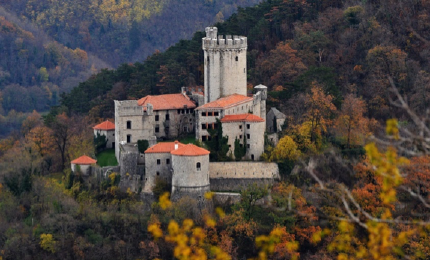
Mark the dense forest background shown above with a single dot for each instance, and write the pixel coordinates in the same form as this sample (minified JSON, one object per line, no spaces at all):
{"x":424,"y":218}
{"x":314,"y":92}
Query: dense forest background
{"x":49,"y":47}
{"x":337,"y":68}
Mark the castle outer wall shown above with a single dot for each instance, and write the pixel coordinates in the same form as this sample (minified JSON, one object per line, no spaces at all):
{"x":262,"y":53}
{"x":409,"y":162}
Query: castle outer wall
{"x":236,"y":176}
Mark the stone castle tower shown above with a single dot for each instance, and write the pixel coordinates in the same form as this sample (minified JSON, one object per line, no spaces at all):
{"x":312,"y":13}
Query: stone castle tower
{"x":225,"y":64}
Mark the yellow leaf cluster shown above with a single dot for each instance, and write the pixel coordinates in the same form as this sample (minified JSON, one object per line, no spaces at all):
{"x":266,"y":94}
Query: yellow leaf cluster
{"x":47,"y":243}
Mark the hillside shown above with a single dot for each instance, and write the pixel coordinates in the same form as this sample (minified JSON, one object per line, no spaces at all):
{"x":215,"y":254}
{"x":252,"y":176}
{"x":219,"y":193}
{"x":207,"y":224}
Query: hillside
{"x":126,"y":30}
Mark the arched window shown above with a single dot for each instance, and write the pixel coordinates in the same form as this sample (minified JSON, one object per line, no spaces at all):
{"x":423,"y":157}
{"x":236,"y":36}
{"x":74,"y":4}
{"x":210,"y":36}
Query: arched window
{"x":198,"y":166}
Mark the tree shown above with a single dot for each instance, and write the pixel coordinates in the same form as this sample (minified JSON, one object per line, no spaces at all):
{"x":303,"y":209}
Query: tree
{"x":285,"y":150}
{"x":142,"y":145}
{"x":62,"y":132}
{"x":239,"y":149}
{"x":218,"y":144}
{"x":249,"y":197}
{"x":319,"y":108}
{"x":351,"y":123}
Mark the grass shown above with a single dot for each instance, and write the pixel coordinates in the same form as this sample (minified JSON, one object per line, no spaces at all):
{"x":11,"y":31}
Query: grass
{"x":107,"y":158}
{"x":189,"y":139}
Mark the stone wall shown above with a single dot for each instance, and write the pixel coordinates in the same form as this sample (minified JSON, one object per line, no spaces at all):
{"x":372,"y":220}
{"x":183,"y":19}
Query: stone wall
{"x":234,"y":176}
{"x":239,"y":130}
{"x":154,"y":170}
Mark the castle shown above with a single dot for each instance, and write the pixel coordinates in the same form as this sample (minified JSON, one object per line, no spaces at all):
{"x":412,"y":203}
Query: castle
{"x":166,"y":117}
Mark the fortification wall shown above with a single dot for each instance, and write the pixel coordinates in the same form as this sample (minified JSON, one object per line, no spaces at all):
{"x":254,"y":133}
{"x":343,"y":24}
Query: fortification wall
{"x":243,"y":170}
{"x":235,"y":176}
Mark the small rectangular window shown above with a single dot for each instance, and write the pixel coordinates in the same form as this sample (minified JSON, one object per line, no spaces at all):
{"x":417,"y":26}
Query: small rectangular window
{"x":210,"y":126}
{"x":240,"y":136}
{"x":248,"y":126}
{"x":248,"y":136}
{"x":203,"y":126}
{"x":167,"y":161}
{"x":158,"y":161}
{"x":216,"y":113}
{"x":128,"y":138}
{"x":128,"y":124}
{"x":157,"y":117}
{"x":157,"y":129}
{"x":204,"y":138}
{"x":167,"y":117}
{"x":240,"y":126}
{"x":247,"y":146}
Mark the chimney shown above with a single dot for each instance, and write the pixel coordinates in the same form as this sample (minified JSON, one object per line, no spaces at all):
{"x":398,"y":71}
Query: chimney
{"x":176,"y":145}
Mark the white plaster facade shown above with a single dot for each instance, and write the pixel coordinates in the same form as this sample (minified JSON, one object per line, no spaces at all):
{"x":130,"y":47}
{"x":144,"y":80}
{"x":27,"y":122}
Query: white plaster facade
{"x":110,"y":137}
{"x":253,"y":132}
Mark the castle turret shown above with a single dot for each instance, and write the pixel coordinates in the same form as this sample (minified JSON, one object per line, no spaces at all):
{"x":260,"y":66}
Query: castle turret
{"x":225,"y":64}
{"x":263,"y":94}
{"x":190,"y":178}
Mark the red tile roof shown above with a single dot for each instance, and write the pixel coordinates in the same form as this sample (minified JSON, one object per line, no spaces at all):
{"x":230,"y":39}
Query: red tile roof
{"x":190,"y":150}
{"x":165,"y":147}
{"x":167,"y":101}
{"x":241,"y":118}
{"x":106,"y":125}
{"x":84,"y":160}
{"x":226,"y":101}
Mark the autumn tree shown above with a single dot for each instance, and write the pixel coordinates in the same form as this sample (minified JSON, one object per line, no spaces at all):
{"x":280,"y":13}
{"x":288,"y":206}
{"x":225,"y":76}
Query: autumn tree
{"x":281,"y":66}
{"x":62,"y":132}
{"x":319,"y":112}
{"x":351,"y":125}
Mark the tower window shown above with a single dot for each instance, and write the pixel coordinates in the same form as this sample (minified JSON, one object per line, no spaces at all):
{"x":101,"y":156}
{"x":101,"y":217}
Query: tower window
{"x":157,"y":128}
{"x":248,"y":126}
{"x":198,"y":166}
{"x":248,"y":136}
{"x":128,"y":124}
{"x":237,"y":58}
{"x":167,"y":161}
{"x":158,"y":161}
{"x":167,"y":117}
{"x":157,"y":117}
{"x":128,"y":138}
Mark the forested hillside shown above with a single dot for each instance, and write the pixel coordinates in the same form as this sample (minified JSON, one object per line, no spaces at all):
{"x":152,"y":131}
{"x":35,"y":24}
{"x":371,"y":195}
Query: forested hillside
{"x":126,"y":30}
{"x":340,"y":70}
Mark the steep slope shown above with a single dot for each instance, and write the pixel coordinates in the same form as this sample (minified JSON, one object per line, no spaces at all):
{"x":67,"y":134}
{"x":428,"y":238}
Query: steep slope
{"x":34,"y":69}
{"x":126,"y":30}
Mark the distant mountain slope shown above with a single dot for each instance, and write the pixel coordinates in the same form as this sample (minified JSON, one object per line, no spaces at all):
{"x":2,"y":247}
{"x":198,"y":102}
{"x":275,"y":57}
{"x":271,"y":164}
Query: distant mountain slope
{"x":126,"y":30}
{"x":34,"y":69}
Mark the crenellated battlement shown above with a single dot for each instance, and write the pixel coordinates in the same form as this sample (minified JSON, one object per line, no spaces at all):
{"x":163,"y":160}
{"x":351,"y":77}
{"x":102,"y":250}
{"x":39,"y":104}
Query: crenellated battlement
{"x":215,"y":41}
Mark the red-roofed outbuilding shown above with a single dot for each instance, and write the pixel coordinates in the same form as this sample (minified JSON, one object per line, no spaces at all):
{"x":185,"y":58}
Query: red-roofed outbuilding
{"x":107,"y":129}
{"x":84,"y":163}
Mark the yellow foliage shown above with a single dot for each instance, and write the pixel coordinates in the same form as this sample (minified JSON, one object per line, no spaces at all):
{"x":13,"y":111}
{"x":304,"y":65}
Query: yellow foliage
{"x":47,"y":243}
{"x":165,"y":201}
{"x":286,"y":149}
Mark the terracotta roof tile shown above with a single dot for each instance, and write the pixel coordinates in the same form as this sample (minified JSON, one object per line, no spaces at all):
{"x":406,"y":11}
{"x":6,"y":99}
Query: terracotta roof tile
{"x":106,"y":125}
{"x":84,"y":160}
{"x":190,"y":150}
{"x":167,"y":101}
{"x":241,"y":118}
{"x":226,"y":101}
{"x":165,"y":147}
